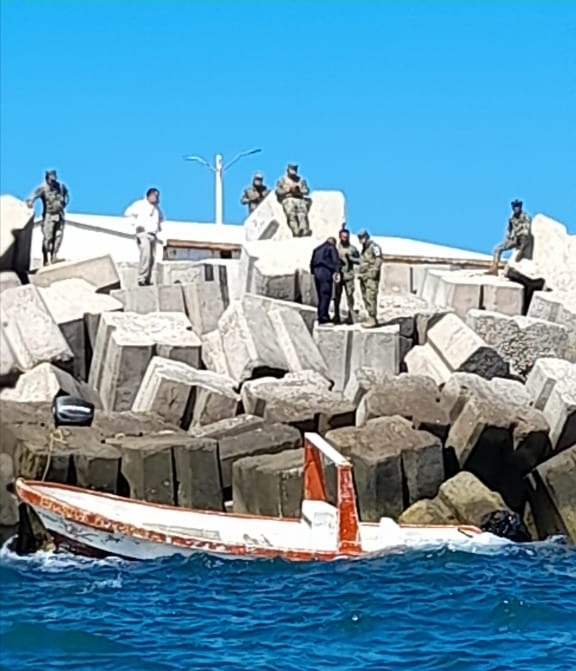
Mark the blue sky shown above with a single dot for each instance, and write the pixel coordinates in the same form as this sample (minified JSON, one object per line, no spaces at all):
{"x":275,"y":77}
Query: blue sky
{"x":430,"y":116}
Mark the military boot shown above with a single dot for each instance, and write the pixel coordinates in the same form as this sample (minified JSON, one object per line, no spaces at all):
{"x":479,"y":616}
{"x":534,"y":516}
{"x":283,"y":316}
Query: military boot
{"x":370,"y":323}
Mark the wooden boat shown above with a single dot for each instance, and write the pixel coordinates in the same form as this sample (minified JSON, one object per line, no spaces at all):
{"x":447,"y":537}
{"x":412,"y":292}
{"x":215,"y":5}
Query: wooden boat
{"x":97,"y":524}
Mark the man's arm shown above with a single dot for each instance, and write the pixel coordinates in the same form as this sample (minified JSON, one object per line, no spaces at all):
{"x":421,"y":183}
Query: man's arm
{"x":335,"y":260}
{"x":65,"y":196}
{"x":245,"y":200}
{"x":282,"y":188}
{"x":304,"y":190}
{"x":37,"y":193}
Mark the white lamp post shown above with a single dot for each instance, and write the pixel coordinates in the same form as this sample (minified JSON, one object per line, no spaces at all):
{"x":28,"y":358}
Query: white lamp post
{"x":219,"y":169}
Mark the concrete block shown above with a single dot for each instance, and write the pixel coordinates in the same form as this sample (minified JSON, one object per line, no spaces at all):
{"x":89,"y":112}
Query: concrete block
{"x":16,"y":225}
{"x":128,"y":273}
{"x":101,"y":272}
{"x":184,"y":395}
{"x":301,"y":399}
{"x":395,"y":278}
{"x":197,"y":471}
{"x":361,"y":381}
{"x":144,"y":300}
{"x":552,"y":386}
{"x":519,"y":340}
{"x":125,"y":344}
{"x":558,"y":307}
{"x":9,"y":366}
{"x":8,"y":502}
{"x":9,"y":280}
{"x":346,"y":348}
{"x":503,"y":296}
{"x":420,"y":272}
{"x":213,"y":355}
{"x":307,"y":312}
{"x":33,"y":334}
{"x":394,"y":465}
{"x":269,"y":484}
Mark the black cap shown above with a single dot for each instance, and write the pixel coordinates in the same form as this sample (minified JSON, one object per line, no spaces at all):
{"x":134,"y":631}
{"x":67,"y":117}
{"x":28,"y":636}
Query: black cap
{"x":517,"y":203}
{"x":51,"y":173}
{"x":293,"y":166}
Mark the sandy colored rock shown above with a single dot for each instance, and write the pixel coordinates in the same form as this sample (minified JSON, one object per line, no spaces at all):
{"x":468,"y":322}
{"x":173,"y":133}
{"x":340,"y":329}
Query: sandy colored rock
{"x":428,"y":511}
{"x":469,"y":499}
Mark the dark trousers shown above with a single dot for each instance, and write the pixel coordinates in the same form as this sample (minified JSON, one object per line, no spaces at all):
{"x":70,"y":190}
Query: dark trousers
{"x":324,"y":281}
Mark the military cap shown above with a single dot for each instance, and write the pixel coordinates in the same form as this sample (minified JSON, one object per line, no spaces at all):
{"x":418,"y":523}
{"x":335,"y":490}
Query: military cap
{"x":258,"y":175}
{"x":363,"y":233}
{"x":51,"y":173}
{"x":293,"y":166}
{"x":516,"y":203}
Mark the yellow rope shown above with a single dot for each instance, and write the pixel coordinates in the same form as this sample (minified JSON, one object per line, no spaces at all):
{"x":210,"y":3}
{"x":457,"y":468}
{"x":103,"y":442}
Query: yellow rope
{"x":56,"y":436}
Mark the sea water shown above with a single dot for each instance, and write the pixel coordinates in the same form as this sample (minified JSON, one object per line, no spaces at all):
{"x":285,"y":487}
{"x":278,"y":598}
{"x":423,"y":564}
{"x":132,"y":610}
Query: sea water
{"x":504,"y":608}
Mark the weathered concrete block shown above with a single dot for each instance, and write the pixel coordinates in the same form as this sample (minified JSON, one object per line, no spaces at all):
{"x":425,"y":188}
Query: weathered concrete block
{"x":420,"y":273}
{"x":184,"y":395}
{"x":9,"y":366}
{"x":307,"y":312}
{"x":361,"y":381}
{"x":246,"y":436}
{"x":33,"y":334}
{"x":301,"y":399}
{"x":395,"y":278}
{"x":213,"y":355}
{"x":552,"y":386}
{"x":44,"y":382}
{"x":558,"y":307}
{"x":9,"y":280}
{"x":8,"y":502}
{"x":197,"y":471}
{"x":394,"y":465}
{"x":453,"y":346}
{"x":101,"y":272}
{"x":553,"y":495}
{"x":16,"y":225}
{"x":502,"y":296}
{"x":269,"y":484}
{"x":128,"y":273}
{"x":76,"y":308}
{"x":519,"y":340}
{"x":144,"y":300}
{"x":125,"y":344}
{"x":347,"y":348}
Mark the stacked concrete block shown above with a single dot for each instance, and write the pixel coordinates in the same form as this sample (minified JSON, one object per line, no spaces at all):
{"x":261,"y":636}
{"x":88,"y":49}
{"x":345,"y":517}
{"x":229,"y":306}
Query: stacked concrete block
{"x":453,"y":346}
{"x":395,"y":278}
{"x":154,"y":298}
{"x":558,"y":307}
{"x":16,"y":225}
{"x":100,"y":272}
{"x":519,"y":340}
{"x":9,"y":280}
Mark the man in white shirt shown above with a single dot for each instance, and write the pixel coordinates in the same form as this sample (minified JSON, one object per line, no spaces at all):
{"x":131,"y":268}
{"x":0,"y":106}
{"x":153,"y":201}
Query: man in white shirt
{"x":147,"y":221}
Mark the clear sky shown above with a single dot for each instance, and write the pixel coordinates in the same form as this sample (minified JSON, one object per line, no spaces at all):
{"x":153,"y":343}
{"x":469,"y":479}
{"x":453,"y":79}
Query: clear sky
{"x":430,"y":116}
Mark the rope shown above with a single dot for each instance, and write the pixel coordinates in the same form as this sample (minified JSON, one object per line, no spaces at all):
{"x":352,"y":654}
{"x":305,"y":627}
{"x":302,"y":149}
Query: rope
{"x":56,"y":436}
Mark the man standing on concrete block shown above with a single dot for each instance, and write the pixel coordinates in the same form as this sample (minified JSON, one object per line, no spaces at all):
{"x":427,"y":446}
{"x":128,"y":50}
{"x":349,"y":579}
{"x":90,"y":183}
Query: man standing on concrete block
{"x":349,"y":258}
{"x":292,"y":192}
{"x":518,"y":236}
{"x":369,"y":276}
{"x":255,"y":193}
{"x":55,"y":198}
{"x":147,"y":220}
{"x":325,"y":267}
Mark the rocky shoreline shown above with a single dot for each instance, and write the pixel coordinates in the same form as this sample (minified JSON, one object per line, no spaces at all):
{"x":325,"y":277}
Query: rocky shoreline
{"x":460,"y":403}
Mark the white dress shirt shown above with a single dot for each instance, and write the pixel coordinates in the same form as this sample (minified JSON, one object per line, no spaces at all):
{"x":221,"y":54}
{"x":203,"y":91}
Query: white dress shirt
{"x":145,"y":215}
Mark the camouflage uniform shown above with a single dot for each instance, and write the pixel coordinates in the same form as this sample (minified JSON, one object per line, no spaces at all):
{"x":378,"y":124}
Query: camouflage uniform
{"x":369,"y":275}
{"x":295,"y":203}
{"x":254,"y":194}
{"x":518,"y":236}
{"x":55,"y":198}
{"x":349,"y":257}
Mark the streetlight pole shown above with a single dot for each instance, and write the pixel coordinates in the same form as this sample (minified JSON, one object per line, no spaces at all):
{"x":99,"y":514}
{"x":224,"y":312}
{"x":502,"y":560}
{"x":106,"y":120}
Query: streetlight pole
{"x":219,"y":169}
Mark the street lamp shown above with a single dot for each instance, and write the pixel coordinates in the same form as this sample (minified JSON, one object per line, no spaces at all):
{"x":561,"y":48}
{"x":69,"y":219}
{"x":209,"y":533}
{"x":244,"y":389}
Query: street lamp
{"x":219,"y":169}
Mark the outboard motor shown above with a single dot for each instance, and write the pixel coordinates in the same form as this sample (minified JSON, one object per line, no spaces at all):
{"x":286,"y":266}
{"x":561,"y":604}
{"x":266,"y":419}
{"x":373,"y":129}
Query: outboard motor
{"x":506,"y":525}
{"x":72,"y":411}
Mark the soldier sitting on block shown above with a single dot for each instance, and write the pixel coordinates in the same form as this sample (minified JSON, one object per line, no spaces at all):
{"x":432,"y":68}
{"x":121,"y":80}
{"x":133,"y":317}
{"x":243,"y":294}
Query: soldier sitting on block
{"x":518,"y":236}
{"x":292,"y":192}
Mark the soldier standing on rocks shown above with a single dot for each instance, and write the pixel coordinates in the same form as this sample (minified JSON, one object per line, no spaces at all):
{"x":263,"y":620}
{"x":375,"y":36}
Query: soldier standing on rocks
{"x":369,"y":276}
{"x":255,"y":193}
{"x":292,"y":192}
{"x":55,"y":198}
{"x":349,"y":258}
{"x":325,"y":267}
{"x":518,"y":236}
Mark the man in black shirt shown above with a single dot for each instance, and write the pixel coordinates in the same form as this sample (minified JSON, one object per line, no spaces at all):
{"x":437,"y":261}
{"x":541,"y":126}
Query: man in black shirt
{"x":325,"y":266}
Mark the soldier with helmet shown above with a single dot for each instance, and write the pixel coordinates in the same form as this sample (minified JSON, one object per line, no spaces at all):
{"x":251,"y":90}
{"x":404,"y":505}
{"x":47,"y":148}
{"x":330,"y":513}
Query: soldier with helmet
{"x":292,"y":192}
{"x":369,"y":270}
{"x":54,"y":196}
{"x":254,"y":194}
{"x":518,"y":236}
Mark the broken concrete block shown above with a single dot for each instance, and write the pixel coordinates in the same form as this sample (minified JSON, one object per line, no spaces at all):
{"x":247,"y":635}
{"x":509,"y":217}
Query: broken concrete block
{"x":33,"y":334}
{"x":144,"y":300}
{"x":269,"y":484}
{"x":76,"y":308}
{"x":44,"y":382}
{"x":394,"y":465}
{"x":303,"y":400}
{"x":184,"y":395}
{"x":208,"y":296}
{"x":245,"y":436}
{"x":16,"y":225}
{"x":552,"y":386}
{"x":553,"y":258}
{"x":9,"y":280}
{"x":553,"y":495}
{"x":361,"y":381}
{"x":101,"y":272}
{"x":453,"y":346}
{"x":558,"y":307}
{"x":125,"y":344}
{"x":519,"y":340}
{"x":347,"y":348}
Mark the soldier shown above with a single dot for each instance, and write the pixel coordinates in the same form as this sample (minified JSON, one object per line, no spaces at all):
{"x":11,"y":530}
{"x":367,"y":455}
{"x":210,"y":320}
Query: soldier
{"x":292,"y":192}
{"x":369,"y":276}
{"x":255,"y":193}
{"x":518,"y":236}
{"x":350,"y":258}
{"x":55,"y":198}
{"x":325,"y":267}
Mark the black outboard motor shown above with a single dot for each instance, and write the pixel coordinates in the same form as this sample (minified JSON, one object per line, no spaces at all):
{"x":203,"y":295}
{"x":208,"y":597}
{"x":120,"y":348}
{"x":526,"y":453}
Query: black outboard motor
{"x":72,"y":411}
{"x":506,"y":525}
